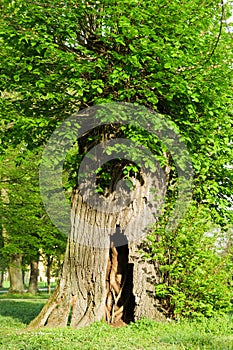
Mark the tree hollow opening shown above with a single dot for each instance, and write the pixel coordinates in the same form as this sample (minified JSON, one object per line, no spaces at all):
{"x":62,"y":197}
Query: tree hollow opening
{"x":120,"y":301}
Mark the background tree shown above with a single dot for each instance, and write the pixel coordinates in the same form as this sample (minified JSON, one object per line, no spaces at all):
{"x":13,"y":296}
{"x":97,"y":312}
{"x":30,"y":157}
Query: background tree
{"x":27,"y":228}
{"x":58,"y":58}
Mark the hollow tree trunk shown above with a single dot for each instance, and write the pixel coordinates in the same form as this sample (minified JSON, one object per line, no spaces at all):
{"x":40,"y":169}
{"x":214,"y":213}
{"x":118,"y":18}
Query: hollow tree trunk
{"x":102,"y":279}
{"x":34,"y":273}
{"x":16,"y":274}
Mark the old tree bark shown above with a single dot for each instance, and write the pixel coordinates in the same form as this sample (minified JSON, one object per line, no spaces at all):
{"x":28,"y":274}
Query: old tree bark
{"x":103,"y":275}
{"x":34,"y":273}
{"x":16,"y":274}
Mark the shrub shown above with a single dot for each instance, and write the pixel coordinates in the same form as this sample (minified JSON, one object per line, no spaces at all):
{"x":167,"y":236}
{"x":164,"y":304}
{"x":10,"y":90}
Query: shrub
{"x":195,"y":276}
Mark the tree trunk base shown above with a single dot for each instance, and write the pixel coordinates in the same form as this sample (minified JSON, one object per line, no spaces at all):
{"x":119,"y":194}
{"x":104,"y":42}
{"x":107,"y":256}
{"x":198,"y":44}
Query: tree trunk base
{"x":119,"y":324}
{"x":104,"y":276}
{"x":124,"y":291}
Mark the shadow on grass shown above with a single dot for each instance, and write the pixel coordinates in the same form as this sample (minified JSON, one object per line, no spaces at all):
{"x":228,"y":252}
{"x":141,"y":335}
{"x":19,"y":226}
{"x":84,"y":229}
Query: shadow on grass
{"x":23,"y":311}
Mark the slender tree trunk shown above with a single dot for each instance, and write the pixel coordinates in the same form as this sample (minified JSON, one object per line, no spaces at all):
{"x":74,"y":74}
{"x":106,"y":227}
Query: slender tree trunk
{"x":102,"y":279}
{"x":23,"y":277}
{"x":34,"y":273}
{"x":48,"y":273}
{"x":3,"y":235}
{"x":1,"y":278}
{"x":16,"y":275}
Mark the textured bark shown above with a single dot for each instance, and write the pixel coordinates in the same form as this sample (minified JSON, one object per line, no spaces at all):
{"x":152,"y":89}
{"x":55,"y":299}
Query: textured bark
{"x":16,"y":275}
{"x":33,"y":281}
{"x":145,"y":276}
{"x":101,"y":280}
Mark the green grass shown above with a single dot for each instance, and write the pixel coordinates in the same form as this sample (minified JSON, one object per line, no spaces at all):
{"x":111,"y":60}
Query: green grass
{"x":6,"y":285}
{"x":212,"y":334}
{"x":40,"y":295}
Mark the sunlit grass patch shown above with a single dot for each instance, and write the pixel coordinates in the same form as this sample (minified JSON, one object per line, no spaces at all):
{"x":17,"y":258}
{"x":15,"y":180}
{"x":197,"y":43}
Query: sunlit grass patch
{"x":211,"y":334}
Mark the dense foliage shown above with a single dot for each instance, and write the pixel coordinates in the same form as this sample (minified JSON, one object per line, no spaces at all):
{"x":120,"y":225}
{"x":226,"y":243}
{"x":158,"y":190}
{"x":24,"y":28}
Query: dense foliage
{"x":26,"y":229}
{"x":195,"y":265}
{"x":174,"y":57}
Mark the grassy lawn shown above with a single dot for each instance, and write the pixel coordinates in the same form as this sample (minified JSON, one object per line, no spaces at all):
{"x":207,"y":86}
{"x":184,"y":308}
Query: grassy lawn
{"x":6,"y":285}
{"x":16,"y":314}
{"x":40,"y":295}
